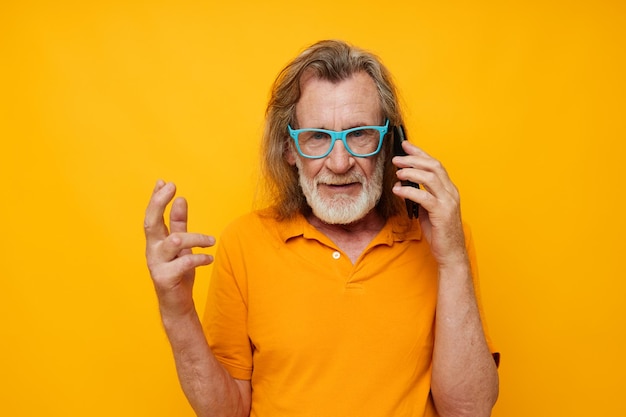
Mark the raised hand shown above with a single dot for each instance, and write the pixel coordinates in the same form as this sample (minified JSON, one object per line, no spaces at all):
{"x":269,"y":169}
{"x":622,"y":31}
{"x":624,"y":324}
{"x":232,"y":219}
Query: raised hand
{"x":169,"y":253}
{"x":439,"y":200}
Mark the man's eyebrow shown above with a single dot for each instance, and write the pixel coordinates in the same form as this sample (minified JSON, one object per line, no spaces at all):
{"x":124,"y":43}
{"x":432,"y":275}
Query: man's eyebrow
{"x":355,"y":125}
{"x":365,"y":124}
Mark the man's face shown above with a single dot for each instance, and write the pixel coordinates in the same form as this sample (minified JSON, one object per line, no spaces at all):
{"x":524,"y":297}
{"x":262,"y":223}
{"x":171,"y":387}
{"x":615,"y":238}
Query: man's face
{"x":339,"y":188}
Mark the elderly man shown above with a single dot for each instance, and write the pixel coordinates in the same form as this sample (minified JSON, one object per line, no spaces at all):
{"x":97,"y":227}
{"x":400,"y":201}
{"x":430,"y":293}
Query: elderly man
{"x":332,"y":301}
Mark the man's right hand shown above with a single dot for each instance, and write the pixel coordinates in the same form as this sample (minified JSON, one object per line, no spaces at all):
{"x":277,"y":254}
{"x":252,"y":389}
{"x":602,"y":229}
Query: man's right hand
{"x":169,"y":252}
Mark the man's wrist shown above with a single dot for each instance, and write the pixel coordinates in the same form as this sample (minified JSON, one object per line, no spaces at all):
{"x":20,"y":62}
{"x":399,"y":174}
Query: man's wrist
{"x":175,"y":314}
{"x":455,"y":264}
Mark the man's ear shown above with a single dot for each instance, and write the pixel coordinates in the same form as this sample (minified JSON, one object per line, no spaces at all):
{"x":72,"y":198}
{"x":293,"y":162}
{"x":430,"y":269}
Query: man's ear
{"x":290,"y":153}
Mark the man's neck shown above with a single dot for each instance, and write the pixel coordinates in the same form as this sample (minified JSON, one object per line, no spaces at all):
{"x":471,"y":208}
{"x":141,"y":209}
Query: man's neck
{"x":351,"y":238}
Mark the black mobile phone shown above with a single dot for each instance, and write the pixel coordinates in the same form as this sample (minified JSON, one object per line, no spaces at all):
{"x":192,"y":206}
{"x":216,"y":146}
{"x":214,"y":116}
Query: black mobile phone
{"x":399,"y":136}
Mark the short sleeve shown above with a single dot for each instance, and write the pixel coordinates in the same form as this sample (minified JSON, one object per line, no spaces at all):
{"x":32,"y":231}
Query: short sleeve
{"x":225,"y":317}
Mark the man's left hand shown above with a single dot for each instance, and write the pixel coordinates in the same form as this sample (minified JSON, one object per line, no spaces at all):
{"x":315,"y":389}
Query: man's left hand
{"x":439,"y":200}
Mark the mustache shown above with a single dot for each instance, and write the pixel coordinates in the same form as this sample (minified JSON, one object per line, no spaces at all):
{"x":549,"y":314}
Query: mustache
{"x":331,"y":179}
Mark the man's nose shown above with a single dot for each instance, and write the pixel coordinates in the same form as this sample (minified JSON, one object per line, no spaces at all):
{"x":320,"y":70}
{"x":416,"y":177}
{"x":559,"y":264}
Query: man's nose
{"x":339,"y":159}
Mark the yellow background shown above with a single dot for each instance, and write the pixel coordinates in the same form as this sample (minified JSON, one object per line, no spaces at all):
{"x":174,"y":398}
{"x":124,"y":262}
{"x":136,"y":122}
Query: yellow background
{"x":524,"y":102}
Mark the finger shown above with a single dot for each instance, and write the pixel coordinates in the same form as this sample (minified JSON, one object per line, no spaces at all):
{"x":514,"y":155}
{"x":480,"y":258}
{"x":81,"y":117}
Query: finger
{"x":178,"y":215}
{"x":178,"y":220}
{"x":418,"y":158}
{"x":428,"y":180}
{"x":431,"y":197}
{"x":180,"y":266}
{"x":421,"y":196}
{"x":412,"y":149}
{"x":178,"y":245}
{"x":154,"y":225}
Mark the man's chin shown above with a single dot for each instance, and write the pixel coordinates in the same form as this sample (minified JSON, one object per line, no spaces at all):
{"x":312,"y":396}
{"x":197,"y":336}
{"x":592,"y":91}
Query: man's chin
{"x":341,"y":212}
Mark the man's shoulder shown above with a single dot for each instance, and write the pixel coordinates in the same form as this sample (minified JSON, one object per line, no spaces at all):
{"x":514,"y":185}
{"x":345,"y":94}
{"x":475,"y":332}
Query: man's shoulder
{"x":246,"y":222}
{"x":260,"y":224}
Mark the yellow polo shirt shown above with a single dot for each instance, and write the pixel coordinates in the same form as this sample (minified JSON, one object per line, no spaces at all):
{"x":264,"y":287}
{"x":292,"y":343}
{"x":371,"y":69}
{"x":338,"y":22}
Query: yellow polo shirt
{"x":316,"y":334}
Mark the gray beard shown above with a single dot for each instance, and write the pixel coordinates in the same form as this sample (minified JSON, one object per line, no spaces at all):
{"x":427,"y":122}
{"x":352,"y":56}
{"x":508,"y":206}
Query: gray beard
{"x":342,"y":208}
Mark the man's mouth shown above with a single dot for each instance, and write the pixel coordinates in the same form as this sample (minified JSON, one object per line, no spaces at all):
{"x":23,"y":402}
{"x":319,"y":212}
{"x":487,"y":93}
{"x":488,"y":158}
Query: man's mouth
{"x":345,"y":184}
{"x":341,"y":187}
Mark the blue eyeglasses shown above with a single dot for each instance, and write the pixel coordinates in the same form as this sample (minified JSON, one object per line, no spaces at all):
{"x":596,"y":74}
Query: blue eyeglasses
{"x":360,"y":142}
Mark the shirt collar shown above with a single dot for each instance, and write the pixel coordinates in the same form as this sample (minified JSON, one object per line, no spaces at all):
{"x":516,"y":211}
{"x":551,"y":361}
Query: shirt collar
{"x":397,"y":228}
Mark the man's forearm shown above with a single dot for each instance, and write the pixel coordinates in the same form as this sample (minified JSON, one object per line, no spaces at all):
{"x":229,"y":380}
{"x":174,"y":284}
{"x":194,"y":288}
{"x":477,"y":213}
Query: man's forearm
{"x":210,"y":389}
{"x":465,"y":379}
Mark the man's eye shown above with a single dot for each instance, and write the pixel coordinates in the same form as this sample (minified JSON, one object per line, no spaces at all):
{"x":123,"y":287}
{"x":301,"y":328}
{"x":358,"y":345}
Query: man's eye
{"x":314,"y":136}
{"x":363,"y":134}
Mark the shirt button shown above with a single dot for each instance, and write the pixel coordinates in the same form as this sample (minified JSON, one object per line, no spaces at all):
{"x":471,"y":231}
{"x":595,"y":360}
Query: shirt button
{"x":336,"y":255}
